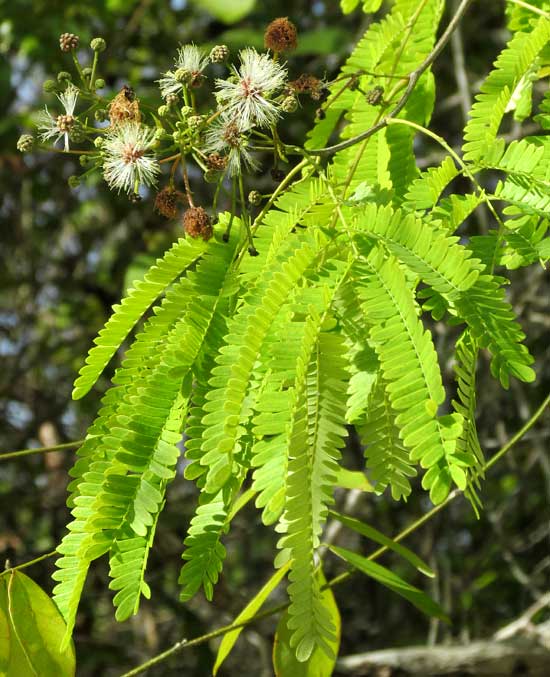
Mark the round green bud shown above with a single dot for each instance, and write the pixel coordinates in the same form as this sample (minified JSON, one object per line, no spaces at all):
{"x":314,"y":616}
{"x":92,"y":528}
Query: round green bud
{"x":171,"y":99}
{"x":254,"y":197}
{"x":219,"y":53}
{"x":64,"y":76}
{"x":182,"y":75}
{"x":194,"y":122}
{"x":98,"y":44}
{"x":186,"y":111}
{"x":84,"y":160}
{"x":49,"y":86}
{"x":86,"y":72}
{"x":98,"y":141}
{"x":101,"y":114}
{"x":99,"y":83}
{"x":163,"y":111}
{"x":77,"y":134}
{"x":73,"y":181}
{"x":25,"y":143}
{"x":290,"y":104}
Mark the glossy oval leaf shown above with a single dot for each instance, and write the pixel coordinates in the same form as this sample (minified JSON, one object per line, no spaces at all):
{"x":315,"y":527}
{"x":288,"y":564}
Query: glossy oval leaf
{"x":31,"y":629}
{"x":319,"y":664}
{"x":392,"y":581}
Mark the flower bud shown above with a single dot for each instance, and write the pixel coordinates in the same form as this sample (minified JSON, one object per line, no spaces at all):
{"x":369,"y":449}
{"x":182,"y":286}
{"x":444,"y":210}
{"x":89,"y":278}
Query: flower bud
{"x":86,"y":72}
{"x":101,"y":114}
{"x":49,"y":86}
{"x":25,"y":143}
{"x":255,"y":197}
{"x":171,"y":99}
{"x":99,"y":83}
{"x":98,"y":141}
{"x":289,"y":104}
{"x":219,"y":53}
{"x":162,"y":111}
{"x":98,"y":44}
{"x":64,"y":76}
{"x":68,"y":41}
{"x":84,"y":160}
{"x":73,"y":181}
{"x":182,"y":75}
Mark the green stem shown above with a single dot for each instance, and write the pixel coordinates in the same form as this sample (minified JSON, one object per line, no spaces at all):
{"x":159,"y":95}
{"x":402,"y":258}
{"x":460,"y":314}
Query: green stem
{"x":47,"y":555}
{"x":94,"y":67}
{"x":40,"y":450}
{"x":531,"y":8}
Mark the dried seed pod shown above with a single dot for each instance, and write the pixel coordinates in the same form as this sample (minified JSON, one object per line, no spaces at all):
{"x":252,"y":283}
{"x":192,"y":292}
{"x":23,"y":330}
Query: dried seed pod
{"x":216,"y":162}
{"x":124,"y":107}
{"x":374,"y":96}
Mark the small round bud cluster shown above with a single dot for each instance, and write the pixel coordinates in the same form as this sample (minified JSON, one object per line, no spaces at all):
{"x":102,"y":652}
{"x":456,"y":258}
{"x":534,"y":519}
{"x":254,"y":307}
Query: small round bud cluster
{"x":98,"y":44}
{"x":255,"y":197}
{"x":167,"y":201}
{"x":25,"y":143}
{"x":65,"y":123}
{"x":171,"y":99}
{"x":196,"y":223}
{"x":195,"y":122}
{"x":99,"y":83}
{"x":73,"y":181}
{"x":289,"y":104}
{"x":182,"y":75}
{"x":216,"y":162}
{"x":101,"y":114}
{"x":64,"y":76}
{"x":162,"y":111}
{"x":281,"y":35}
{"x":68,"y":41}
{"x":186,"y":111}
{"x":84,"y":160}
{"x":374,"y":96}
{"x":99,"y":141}
{"x":49,"y":86}
{"x":86,"y":72}
{"x":219,"y":53}
{"x":76,"y":133}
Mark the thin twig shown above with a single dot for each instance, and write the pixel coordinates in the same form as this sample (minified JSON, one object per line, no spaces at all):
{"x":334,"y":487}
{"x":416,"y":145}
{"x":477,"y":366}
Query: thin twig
{"x":531,"y":8}
{"x":40,"y":450}
{"x":9,"y":569}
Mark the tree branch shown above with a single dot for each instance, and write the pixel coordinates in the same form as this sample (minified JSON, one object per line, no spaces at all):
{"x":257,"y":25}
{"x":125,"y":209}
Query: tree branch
{"x":40,"y":450}
{"x":413,"y":79}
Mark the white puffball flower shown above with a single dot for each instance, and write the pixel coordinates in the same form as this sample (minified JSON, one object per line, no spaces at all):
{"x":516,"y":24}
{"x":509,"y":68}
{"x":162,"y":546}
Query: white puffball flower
{"x":129,"y":161}
{"x":59,"y":126}
{"x":245,"y":96}
{"x":191,"y":62}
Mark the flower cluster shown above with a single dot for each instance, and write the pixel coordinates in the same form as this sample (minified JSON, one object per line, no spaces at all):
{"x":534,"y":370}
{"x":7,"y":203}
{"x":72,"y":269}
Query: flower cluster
{"x":223,"y":137}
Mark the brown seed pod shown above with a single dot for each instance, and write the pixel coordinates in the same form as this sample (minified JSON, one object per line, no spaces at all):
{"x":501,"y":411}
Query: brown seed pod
{"x":281,"y":35}
{"x":167,"y":201}
{"x":124,"y":107}
{"x":196,"y":223}
{"x":216,"y":162}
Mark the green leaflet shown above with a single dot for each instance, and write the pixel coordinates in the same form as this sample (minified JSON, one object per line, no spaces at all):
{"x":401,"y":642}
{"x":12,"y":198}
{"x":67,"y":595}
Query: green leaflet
{"x":497,"y":91}
{"x":317,"y":435}
{"x":132,"y":307}
{"x":387,"y":578}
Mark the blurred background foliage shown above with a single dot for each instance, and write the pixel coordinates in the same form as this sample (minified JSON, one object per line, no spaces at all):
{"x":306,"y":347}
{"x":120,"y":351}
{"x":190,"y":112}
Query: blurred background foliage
{"x":67,"y":255}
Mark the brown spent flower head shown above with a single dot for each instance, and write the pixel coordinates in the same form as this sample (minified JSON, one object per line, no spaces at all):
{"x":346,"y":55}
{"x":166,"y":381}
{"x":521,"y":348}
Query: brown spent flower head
{"x":281,"y":35}
{"x":68,"y":41}
{"x":124,"y":107}
{"x":216,"y":162}
{"x":375,"y":95}
{"x":167,"y":201}
{"x":307,"y":84}
{"x":196,"y":223}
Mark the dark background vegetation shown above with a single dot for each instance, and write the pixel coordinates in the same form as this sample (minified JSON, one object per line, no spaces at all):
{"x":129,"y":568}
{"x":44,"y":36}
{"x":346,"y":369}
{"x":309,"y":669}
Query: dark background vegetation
{"x":66,"y":257}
